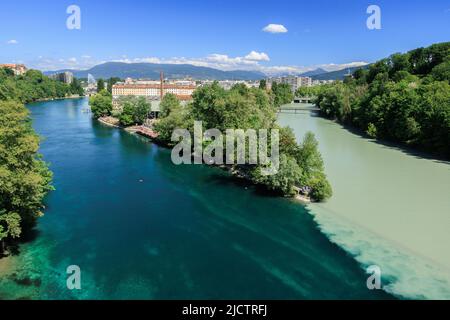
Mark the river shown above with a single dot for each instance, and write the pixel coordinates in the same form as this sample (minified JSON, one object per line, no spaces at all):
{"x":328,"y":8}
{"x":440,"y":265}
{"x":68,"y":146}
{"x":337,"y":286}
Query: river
{"x":390,"y":207}
{"x":140,"y":227}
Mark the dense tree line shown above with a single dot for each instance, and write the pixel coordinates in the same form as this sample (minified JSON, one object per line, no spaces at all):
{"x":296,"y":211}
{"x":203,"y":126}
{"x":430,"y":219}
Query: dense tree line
{"x":101,"y":104}
{"x":24,"y":177}
{"x":133,"y":110}
{"x":33,"y":85}
{"x":301,"y":165}
{"x":404,"y":98}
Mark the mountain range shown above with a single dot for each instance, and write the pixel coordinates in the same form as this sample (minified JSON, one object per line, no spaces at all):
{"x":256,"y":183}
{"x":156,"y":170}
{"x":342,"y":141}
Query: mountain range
{"x":335,"y":75}
{"x":171,"y":71}
{"x":177,"y":71}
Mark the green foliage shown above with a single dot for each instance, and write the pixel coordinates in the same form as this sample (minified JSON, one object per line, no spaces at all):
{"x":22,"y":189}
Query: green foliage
{"x":168,"y":104}
{"x":101,"y":85}
{"x":178,"y":119}
{"x":246,"y":108}
{"x":263,"y":84}
{"x":9,"y":225}
{"x":282,"y":94}
{"x":112,"y":81}
{"x":308,"y":91}
{"x":371,"y":130}
{"x":24,"y":177}
{"x":76,"y":88}
{"x":441,"y":72}
{"x":404,"y":99}
{"x":101,"y":104}
{"x":135,"y":110}
{"x":126,"y":117}
{"x":32,"y":86}
{"x":321,"y":188}
{"x":288,"y":176}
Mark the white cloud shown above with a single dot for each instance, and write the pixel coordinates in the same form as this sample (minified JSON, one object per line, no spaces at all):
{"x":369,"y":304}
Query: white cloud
{"x":277,"y":70}
{"x":257,"y":56}
{"x":336,"y":67}
{"x":12,"y":42}
{"x":275,"y":28}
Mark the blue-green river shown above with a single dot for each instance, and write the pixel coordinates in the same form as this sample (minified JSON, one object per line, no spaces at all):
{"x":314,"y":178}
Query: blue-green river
{"x":140,"y":227}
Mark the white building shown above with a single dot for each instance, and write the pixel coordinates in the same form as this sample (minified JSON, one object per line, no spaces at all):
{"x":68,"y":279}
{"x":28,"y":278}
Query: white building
{"x":152,"y":90}
{"x":293,"y":81}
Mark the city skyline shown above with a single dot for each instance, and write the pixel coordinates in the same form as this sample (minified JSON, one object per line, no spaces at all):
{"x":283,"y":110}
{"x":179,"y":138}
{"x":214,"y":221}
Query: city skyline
{"x":261,"y":36}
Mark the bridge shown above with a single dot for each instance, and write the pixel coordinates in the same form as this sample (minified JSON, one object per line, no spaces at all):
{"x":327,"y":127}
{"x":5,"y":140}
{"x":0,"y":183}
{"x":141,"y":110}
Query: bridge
{"x":299,"y":108}
{"x":304,"y":99}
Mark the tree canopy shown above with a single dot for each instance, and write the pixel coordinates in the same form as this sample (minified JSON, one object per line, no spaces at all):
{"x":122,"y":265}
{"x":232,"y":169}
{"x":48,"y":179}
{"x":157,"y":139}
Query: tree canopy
{"x":101,"y":104}
{"x":24,"y":177}
{"x":33,"y":85}
{"x":404,"y":98}
{"x":249,"y":108}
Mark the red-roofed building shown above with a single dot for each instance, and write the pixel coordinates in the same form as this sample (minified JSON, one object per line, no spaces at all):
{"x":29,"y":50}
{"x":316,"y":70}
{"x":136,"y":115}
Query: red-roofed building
{"x":18,"y":69}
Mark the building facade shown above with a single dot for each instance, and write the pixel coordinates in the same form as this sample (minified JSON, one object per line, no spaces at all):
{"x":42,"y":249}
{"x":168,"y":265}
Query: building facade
{"x":66,"y":77}
{"x":152,"y":91}
{"x":293,"y":81}
{"x":18,"y":69}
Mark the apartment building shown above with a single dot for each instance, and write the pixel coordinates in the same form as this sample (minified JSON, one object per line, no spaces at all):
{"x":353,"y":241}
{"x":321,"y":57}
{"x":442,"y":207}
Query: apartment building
{"x":66,"y":77}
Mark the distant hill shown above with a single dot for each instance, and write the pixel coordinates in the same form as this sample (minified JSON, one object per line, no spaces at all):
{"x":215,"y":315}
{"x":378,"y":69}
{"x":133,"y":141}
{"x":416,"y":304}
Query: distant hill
{"x":171,"y":71}
{"x":337,"y":75}
{"x":315,"y":72}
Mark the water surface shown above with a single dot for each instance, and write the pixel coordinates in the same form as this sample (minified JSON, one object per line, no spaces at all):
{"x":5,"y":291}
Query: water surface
{"x":140,"y":227}
{"x":390,"y":207}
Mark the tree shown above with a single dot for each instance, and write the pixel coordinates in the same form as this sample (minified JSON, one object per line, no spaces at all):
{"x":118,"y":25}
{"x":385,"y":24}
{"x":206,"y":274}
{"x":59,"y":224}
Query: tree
{"x":284,"y":181}
{"x":76,"y":88}
{"x":240,"y":108}
{"x":442,"y":71}
{"x":177,"y":119}
{"x":309,"y":157}
{"x":288,"y":143}
{"x":135,"y":110}
{"x":169,"y":103}
{"x":100,"y":85}
{"x":141,"y":110}
{"x":24,"y":177}
{"x":282,"y":94}
{"x":101,"y":104}
{"x":112,"y":81}
{"x":320,"y":187}
{"x":31,"y":86}
{"x":9,"y":227}
{"x":263,"y":84}
{"x":126,"y":117}
{"x":403,"y":99}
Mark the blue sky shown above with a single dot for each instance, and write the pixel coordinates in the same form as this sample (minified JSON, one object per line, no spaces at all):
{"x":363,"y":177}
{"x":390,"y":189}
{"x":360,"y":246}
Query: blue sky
{"x":217,"y":33}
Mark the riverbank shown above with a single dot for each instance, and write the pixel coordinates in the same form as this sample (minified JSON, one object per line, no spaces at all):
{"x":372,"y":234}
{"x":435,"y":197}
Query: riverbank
{"x":110,"y":121}
{"x":147,"y":132}
{"x":56,"y":99}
